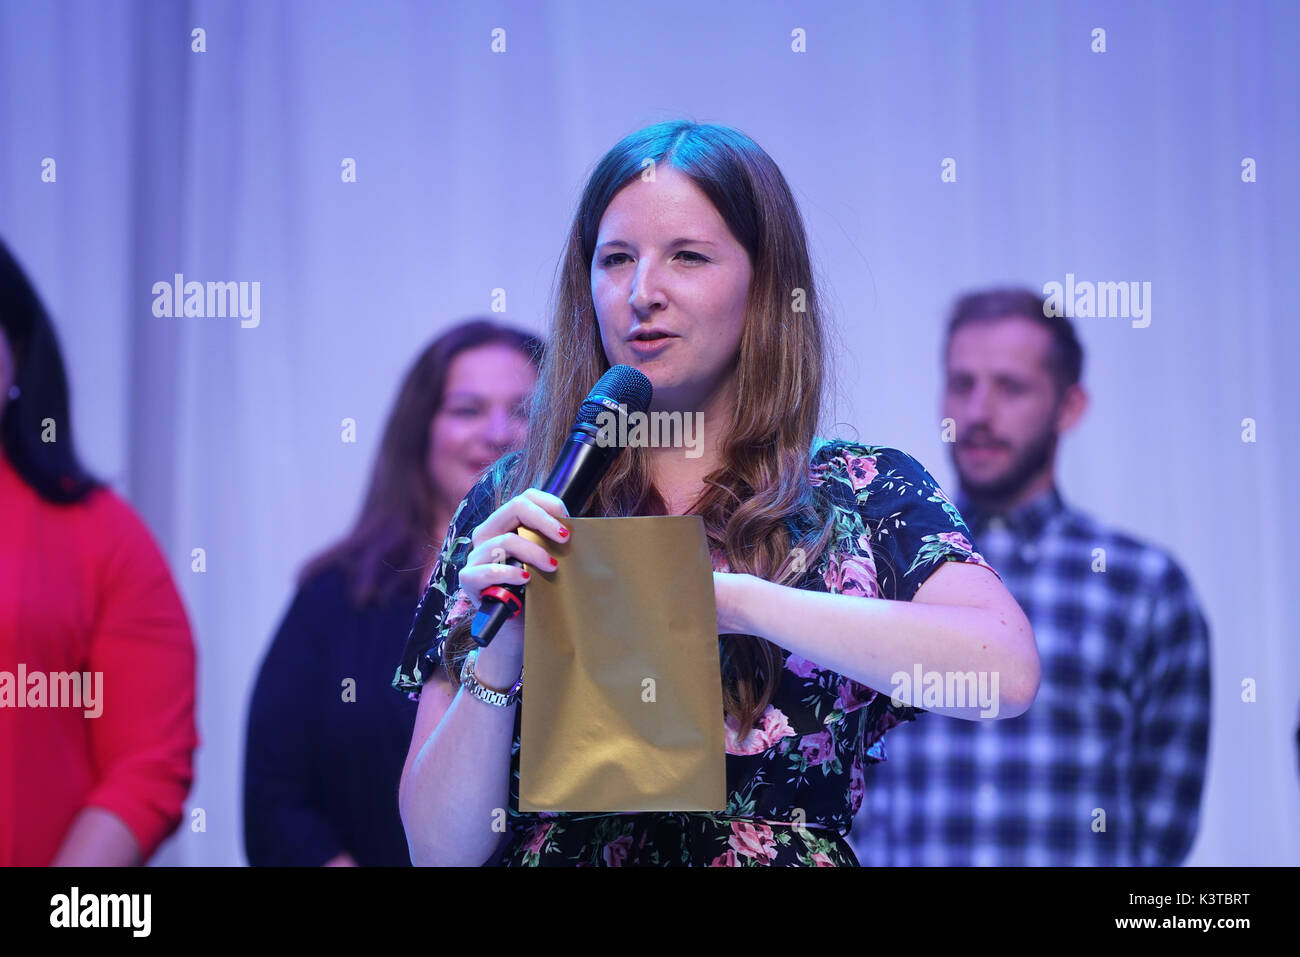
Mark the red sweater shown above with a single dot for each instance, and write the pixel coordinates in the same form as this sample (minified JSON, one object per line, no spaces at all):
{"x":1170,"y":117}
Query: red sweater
{"x":84,"y":588}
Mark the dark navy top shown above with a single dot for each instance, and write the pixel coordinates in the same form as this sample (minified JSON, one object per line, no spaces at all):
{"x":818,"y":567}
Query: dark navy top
{"x":327,"y":737}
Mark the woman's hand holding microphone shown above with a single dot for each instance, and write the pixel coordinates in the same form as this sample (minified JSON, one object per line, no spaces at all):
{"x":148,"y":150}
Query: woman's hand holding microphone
{"x":492,"y":543}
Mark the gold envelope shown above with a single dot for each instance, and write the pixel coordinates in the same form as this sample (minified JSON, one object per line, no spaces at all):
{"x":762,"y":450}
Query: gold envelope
{"x":622,"y":699}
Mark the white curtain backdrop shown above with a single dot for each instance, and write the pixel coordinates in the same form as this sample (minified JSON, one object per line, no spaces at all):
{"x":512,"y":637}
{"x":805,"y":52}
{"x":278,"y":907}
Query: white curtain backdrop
{"x":225,"y":165}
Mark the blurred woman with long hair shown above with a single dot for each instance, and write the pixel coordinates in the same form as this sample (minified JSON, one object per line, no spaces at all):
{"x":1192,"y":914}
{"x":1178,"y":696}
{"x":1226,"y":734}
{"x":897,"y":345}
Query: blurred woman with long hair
{"x":326,"y":736}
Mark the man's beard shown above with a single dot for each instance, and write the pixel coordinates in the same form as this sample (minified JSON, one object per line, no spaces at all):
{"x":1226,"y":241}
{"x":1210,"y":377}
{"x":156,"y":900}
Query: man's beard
{"x":1031,"y":460}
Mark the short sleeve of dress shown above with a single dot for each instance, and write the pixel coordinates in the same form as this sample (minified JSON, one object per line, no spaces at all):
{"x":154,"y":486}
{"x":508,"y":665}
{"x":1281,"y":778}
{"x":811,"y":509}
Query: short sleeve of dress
{"x":912,"y":526}
{"x":444,"y":604}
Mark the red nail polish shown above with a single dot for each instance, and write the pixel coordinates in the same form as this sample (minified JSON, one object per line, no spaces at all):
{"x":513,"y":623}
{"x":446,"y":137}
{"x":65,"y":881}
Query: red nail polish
{"x":526,"y":575}
{"x":554,"y":563}
{"x":564,"y":532}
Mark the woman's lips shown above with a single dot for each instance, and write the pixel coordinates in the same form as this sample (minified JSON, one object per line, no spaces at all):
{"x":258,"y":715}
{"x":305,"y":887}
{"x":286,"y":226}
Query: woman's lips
{"x":649,"y":347}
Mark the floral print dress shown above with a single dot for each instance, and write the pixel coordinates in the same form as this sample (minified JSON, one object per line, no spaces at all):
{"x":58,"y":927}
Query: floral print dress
{"x":796,"y":780}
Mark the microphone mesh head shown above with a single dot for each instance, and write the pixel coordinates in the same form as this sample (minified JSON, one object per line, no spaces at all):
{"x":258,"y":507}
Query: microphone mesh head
{"x":621,"y":385}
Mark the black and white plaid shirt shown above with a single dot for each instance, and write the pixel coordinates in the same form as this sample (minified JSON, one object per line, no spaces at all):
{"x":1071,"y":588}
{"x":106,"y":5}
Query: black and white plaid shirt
{"x":1106,"y":767}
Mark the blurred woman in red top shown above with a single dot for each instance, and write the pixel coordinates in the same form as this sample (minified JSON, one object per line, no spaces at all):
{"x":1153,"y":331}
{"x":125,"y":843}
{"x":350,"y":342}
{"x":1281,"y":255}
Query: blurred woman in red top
{"x":96,"y":657}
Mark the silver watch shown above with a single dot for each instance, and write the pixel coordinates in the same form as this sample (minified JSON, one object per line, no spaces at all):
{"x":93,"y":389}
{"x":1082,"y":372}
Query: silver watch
{"x":469,"y":681}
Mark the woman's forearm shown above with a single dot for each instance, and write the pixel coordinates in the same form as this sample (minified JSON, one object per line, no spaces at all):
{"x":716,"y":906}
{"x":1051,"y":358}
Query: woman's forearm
{"x":98,"y":838}
{"x":454,"y":796}
{"x":872,"y":640}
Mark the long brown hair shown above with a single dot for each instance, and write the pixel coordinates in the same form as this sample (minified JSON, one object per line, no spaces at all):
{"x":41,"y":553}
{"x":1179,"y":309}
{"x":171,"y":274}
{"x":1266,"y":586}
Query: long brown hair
{"x":763,"y":481}
{"x":389,"y":545}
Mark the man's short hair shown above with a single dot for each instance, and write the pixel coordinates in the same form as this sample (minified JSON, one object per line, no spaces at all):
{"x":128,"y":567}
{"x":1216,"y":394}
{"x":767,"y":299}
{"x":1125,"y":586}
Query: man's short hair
{"x":1064,"y":357}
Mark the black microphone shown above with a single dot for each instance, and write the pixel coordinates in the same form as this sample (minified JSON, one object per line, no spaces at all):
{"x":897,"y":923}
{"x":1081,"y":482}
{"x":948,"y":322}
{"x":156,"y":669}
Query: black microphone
{"x":581,"y":465}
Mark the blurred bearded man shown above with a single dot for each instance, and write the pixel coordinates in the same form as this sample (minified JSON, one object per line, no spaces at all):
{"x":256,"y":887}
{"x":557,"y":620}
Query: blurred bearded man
{"x":1107,"y":765}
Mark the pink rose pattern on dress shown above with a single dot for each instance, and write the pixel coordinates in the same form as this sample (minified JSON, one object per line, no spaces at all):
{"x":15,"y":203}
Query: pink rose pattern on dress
{"x":817,"y":748}
{"x":960,"y":541}
{"x":461,"y":608}
{"x":801,"y":667}
{"x":861,"y":470}
{"x":616,"y":851}
{"x":956,"y":538}
{"x":853,"y":696}
{"x":750,"y":840}
{"x":536,"y":838}
{"x":766,"y":734}
{"x":851,"y":575}
{"x":857,"y":787}
{"x":807,"y":756}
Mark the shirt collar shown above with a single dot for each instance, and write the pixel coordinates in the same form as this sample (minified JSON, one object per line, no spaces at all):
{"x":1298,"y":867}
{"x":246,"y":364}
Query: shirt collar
{"x":1025,"y":521}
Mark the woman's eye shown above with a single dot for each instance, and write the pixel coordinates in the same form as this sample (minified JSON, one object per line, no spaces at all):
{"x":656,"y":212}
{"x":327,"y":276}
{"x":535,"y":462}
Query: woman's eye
{"x":612,"y":259}
{"x":464,"y":412}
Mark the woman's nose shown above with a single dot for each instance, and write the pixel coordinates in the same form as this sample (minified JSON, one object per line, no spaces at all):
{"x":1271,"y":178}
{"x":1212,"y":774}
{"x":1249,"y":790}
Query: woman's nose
{"x":501,"y":429}
{"x":646,"y":292}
